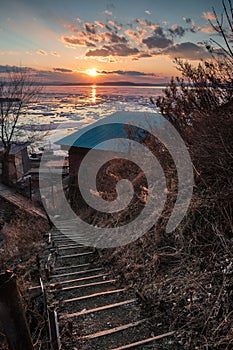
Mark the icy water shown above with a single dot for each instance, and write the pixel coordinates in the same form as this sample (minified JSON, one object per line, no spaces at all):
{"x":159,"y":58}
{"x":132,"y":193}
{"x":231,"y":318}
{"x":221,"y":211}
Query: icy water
{"x":68,"y":108}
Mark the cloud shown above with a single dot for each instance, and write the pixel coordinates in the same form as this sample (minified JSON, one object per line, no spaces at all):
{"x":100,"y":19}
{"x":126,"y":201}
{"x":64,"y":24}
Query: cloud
{"x":63,"y":70}
{"x":142,"y":32}
{"x":76,"y":41}
{"x":54,"y":53}
{"x":146,"y":24}
{"x":113,"y":50}
{"x":186,"y":50}
{"x":147,"y":12}
{"x":13,"y":69}
{"x":132,"y":34}
{"x":108,"y":12}
{"x":72,"y":27}
{"x":114,"y":38}
{"x":177,"y":30}
{"x":145,"y":55}
{"x":129,"y":72}
{"x":157,"y":40}
{"x":206,"y":29}
{"x":41,"y":52}
{"x":116,"y":26}
{"x":90,"y":28}
{"x":209,"y":16}
{"x":187,"y":20}
{"x":103,"y":25}
{"x":141,"y":39}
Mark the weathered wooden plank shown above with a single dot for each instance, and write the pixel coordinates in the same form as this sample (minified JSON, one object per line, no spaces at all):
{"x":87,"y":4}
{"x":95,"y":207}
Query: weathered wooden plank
{"x":76,"y":280}
{"x":90,"y":296}
{"x":101,"y":308}
{"x":145,"y":341}
{"x":70,"y":267}
{"x":76,"y":273}
{"x":83,"y":286}
{"x":75,"y":255}
{"x":114,"y":330}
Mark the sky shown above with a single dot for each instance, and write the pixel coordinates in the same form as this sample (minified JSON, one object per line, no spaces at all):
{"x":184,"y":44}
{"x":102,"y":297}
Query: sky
{"x":91,"y":41}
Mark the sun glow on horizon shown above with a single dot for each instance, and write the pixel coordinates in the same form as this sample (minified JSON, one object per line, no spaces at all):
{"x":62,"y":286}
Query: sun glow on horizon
{"x":92,"y":72}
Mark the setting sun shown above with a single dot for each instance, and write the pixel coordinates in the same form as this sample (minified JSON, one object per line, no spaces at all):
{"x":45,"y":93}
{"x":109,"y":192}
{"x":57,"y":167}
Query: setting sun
{"x":92,"y":72}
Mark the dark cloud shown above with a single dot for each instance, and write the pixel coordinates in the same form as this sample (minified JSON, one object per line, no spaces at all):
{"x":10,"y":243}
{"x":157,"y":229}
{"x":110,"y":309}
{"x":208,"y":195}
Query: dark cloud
{"x":62,"y":70}
{"x":41,"y":52}
{"x":187,"y":20}
{"x":159,"y":31}
{"x":156,"y":41}
{"x":13,"y":69}
{"x":116,"y":26}
{"x":145,"y":23}
{"x":77,"y":41}
{"x":127,"y":72}
{"x":90,"y":44}
{"x":144,"y":55}
{"x":187,"y":50}
{"x":114,"y":38}
{"x":103,"y":25}
{"x":193,"y":29}
{"x":132,"y":34}
{"x":73,"y":40}
{"x":113,"y":50}
{"x":102,"y":52}
{"x":90,"y":28}
{"x":177,"y":30}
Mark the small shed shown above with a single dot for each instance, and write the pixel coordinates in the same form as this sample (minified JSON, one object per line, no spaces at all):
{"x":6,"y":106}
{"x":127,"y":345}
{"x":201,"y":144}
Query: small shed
{"x":80,"y":142}
{"x":19,"y":162}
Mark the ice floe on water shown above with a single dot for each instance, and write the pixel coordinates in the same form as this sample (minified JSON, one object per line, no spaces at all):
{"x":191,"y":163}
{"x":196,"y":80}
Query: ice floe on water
{"x":64,"y":109}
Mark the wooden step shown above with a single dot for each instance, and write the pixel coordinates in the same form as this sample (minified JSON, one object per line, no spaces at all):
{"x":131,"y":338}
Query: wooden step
{"x":113,"y":330}
{"x":83,"y":286}
{"x":75,"y":255}
{"x":105,"y":307}
{"x":70,"y":267}
{"x":76,"y":273}
{"x":77,"y":280}
{"x":70,"y":246}
{"x":90,"y":296}
{"x":145,"y":341}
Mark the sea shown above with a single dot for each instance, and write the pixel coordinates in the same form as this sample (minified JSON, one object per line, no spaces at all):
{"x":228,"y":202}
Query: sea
{"x":61,"y":110}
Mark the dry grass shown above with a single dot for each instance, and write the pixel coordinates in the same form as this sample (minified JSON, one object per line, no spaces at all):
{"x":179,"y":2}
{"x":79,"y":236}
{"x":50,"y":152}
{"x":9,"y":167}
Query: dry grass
{"x":21,"y":241}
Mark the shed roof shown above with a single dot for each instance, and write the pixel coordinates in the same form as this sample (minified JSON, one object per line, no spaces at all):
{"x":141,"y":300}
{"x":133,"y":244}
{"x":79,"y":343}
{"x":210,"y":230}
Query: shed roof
{"x":112,"y":127}
{"x":15,"y":147}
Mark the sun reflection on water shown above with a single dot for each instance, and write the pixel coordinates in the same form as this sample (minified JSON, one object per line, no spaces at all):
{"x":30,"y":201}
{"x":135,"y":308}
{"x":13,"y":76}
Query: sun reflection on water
{"x":93,"y":94}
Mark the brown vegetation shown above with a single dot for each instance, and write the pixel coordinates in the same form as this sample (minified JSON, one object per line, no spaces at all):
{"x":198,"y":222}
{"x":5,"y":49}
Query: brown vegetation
{"x":21,"y":240}
{"x":185,"y":278}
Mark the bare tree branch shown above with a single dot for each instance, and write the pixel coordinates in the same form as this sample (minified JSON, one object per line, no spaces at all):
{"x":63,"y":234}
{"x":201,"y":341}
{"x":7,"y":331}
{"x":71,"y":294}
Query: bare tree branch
{"x":18,"y":91}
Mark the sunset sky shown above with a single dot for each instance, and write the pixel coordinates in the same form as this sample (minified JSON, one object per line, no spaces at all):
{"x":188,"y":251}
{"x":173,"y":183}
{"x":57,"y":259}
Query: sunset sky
{"x":98,"y":40}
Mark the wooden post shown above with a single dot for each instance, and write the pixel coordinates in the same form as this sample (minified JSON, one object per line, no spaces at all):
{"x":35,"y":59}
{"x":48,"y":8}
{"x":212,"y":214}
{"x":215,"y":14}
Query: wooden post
{"x":53,"y":329}
{"x":12,"y":314}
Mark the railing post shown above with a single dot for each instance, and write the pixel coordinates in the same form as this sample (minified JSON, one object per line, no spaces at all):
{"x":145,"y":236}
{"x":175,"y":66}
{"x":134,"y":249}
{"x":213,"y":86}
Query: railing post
{"x":53,"y":329}
{"x":12,"y":315}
